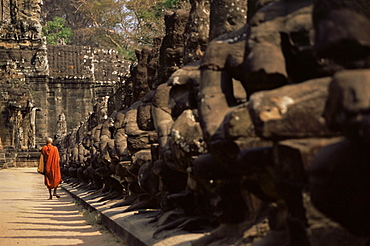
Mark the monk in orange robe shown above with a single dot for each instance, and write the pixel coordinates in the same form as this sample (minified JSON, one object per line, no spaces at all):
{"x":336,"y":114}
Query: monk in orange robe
{"x":52,"y":167}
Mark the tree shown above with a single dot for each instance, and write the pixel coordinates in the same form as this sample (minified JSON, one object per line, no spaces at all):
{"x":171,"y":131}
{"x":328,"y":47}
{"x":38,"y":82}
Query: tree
{"x":56,"y":32}
{"x":124,"y":25}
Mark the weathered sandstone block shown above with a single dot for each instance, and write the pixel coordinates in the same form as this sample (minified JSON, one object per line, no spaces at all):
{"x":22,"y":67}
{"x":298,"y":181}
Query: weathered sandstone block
{"x":292,"y":111}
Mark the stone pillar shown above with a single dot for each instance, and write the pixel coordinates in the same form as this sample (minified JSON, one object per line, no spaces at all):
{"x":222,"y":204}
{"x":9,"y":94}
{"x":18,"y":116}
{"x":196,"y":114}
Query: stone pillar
{"x":32,"y":131}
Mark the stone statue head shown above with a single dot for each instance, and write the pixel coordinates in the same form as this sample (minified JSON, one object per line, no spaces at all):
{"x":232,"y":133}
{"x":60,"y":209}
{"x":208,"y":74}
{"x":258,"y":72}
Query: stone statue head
{"x":62,"y":117}
{"x":341,"y":40}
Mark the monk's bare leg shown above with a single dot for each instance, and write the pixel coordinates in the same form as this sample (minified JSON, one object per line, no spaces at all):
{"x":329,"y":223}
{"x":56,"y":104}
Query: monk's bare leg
{"x":50,"y":196}
{"x":55,"y":193}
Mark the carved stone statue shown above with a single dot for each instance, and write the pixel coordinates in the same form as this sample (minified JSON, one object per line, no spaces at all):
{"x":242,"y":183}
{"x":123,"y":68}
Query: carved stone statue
{"x":62,"y":126}
{"x":40,"y":60}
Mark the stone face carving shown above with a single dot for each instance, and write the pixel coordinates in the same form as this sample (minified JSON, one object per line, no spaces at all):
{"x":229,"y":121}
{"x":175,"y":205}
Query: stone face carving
{"x":347,"y":103}
{"x":40,"y":60}
{"x":141,"y":86}
{"x":286,"y":41}
{"x":62,"y":126}
{"x":172,"y":48}
{"x":20,"y":20}
{"x":345,"y":45}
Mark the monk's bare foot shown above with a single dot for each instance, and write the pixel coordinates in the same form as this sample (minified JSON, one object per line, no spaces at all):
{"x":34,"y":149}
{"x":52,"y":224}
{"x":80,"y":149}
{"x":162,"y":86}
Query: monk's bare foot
{"x":50,"y":198}
{"x":56,"y":195}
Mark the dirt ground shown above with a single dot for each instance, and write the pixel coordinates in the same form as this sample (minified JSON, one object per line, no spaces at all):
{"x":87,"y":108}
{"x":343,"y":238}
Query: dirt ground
{"x":29,"y":218}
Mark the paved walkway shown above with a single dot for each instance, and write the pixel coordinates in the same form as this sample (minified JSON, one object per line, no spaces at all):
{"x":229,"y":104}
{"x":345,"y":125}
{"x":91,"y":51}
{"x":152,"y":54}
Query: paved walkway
{"x":28,"y":218}
{"x":134,"y":226}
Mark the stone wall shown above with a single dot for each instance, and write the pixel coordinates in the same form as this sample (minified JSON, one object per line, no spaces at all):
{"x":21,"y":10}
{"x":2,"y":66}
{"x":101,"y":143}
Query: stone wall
{"x":47,"y":90}
{"x":18,"y":158}
{"x":78,"y":78}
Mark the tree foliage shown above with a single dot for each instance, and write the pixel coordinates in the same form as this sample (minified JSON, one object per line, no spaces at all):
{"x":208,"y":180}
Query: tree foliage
{"x":121,"y":24}
{"x":56,"y":32}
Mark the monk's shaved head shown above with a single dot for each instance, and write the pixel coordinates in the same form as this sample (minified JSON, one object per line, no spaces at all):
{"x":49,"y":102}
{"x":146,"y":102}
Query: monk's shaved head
{"x":49,"y":140}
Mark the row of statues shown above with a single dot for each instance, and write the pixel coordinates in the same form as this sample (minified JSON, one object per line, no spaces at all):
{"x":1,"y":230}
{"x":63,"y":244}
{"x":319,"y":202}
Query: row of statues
{"x":245,"y":132}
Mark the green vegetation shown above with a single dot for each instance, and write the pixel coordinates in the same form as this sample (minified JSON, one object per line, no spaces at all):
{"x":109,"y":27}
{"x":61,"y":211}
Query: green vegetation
{"x":91,"y":217}
{"x":55,"y":31}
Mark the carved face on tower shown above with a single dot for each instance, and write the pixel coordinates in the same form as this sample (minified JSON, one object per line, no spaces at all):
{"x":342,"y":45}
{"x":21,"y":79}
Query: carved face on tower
{"x":31,"y":8}
{"x":36,"y":7}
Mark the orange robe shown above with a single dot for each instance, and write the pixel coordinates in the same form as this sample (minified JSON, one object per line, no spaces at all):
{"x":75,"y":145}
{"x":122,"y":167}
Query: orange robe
{"x":52,"y":167}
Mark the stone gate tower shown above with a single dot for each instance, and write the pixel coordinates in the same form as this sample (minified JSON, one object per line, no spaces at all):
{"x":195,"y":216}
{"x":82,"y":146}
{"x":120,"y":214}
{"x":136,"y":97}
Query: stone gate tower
{"x":41,"y":84}
{"x":22,"y":56}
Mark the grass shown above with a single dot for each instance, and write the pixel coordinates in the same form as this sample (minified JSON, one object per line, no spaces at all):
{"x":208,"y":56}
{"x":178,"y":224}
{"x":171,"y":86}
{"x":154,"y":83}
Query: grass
{"x":92,"y":217}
